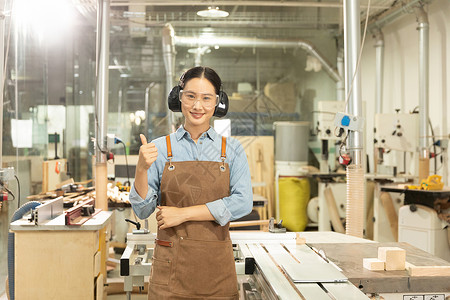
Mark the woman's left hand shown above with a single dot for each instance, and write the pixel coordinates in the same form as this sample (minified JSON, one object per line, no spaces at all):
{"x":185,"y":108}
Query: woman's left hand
{"x":169,"y":216}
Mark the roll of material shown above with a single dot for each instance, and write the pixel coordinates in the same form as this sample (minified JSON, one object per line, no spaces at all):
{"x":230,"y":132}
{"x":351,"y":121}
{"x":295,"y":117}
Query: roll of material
{"x":313,"y":209}
{"x":294,"y":197}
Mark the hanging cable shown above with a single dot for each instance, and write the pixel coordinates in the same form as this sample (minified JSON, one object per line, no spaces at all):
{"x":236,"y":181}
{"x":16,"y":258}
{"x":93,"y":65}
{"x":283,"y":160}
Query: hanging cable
{"x":18,"y":191}
{"x":117,"y":140}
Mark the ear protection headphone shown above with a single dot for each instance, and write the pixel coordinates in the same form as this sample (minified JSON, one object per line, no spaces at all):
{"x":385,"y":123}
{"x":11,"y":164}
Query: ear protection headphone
{"x":175,"y":103}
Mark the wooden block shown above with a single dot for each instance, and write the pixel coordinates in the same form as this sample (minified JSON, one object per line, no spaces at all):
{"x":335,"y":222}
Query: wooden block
{"x":394,"y":258}
{"x":427,"y":270}
{"x":373,"y":264}
{"x":300,"y":240}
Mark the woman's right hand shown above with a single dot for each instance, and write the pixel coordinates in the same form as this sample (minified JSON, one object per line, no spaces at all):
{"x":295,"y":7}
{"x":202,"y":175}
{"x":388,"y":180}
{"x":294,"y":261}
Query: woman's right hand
{"x":147,"y":154}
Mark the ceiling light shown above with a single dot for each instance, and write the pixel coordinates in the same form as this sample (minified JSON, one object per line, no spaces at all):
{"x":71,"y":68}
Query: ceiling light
{"x":213,"y":12}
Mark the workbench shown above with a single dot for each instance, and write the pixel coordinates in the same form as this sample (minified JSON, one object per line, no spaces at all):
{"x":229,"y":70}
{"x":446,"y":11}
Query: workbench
{"x":272,"y":252}
{"x":438,"y":200}
{"x":55,"y":261}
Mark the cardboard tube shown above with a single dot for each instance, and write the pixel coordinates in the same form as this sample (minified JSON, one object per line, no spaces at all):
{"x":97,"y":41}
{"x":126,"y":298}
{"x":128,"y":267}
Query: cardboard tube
{"x":389,"y":208}
{"x":332,"y":208}
{"x":101,"y":181}
{"x":424,"y":168}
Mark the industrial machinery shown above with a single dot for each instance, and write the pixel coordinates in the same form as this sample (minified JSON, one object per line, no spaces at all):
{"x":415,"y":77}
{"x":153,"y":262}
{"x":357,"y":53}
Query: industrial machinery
{"x":6,"y":174}
{"x":334,"y":182}
{"x":326,"y":130}
{"x":327,"y":265}
{"x":135,"y":262}
{"x":424,"y":219}
{"x":292,"y":187}
{"x":395,"y":143}
{"x":399,"y":133}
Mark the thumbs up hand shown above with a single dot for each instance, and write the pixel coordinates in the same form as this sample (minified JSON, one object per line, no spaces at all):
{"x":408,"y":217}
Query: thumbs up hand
{"x":147,"y":154}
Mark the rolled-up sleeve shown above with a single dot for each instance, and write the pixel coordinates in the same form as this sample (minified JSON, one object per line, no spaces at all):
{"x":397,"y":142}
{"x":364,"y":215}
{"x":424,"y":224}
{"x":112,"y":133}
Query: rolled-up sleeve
{"x":240,"y":201}
{"x":145,"y":207}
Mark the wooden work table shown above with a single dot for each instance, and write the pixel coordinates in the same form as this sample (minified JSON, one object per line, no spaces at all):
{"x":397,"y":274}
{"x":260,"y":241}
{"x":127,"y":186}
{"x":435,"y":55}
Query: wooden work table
{"x":55,"y":261}
{"x":349,"y":257}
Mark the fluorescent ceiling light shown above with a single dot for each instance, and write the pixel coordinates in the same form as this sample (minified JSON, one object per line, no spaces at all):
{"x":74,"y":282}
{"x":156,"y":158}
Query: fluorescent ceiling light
{"x":213,"y":12}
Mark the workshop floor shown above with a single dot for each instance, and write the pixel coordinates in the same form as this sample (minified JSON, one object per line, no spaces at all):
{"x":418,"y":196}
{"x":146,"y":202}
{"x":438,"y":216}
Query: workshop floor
{"x":124,"y":297}
{"x":110,"y":297}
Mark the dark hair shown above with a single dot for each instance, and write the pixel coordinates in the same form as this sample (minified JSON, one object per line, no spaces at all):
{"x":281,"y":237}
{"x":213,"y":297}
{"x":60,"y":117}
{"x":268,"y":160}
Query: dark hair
{"x":199,"y":72}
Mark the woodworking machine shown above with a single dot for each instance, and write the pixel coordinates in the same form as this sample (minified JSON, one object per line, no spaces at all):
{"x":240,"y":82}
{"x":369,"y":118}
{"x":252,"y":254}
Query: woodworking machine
{"x":273,"y":266}
{"x":312,"y":266}
{"x":135,"y":263}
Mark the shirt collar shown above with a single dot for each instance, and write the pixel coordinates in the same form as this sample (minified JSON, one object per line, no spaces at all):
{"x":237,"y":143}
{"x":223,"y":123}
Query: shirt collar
{"x":181,"y":132}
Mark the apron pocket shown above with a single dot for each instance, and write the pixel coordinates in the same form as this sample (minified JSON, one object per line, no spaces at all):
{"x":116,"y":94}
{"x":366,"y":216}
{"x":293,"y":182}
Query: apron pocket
{"x":205,"y":268}
{"x":160,"y":272}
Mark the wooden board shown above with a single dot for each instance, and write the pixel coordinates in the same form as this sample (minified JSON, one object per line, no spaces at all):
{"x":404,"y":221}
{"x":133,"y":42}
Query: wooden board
{"x":53,"y":172}
{"x":349,"y":257}
{"x":260,"y":156}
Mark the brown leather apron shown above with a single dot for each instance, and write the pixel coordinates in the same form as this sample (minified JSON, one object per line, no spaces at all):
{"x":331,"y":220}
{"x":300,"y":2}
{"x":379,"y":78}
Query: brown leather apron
{"x":193,"y":260}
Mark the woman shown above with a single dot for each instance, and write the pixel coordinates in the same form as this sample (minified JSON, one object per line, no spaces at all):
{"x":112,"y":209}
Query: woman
{"x":198,"y":181}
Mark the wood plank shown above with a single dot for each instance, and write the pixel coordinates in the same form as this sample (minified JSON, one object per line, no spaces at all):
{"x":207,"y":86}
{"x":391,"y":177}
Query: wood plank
{"x":394,"y":258}
{"x":332,"y":208}
{"x":427,"y":270}
{"x":260,"y":156}
{"x":349,"y":258}
{"x":52,"y":173}
{"x":373,"y":264}
{"x":391,"y":213}
{"x":249,"y":223}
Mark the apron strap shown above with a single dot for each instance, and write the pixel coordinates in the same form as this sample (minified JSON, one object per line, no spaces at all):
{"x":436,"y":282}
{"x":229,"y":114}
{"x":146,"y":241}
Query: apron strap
{"x":224,"y":148}
{"x":169,"y":153}
{"x":169,"y":147}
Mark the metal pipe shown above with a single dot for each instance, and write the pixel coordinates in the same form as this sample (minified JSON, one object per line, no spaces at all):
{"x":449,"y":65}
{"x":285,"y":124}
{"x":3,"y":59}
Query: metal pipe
{"x":393,"y":13}
{"x":186,"y":41}
{"x":379,"y":64}
{"x":352,"y":44}
{"x":2,"y":78}
{"x":423,"y":27}
{"x":355,"y":172}
{"x":168,"y":48}
{"x":101,"y":107}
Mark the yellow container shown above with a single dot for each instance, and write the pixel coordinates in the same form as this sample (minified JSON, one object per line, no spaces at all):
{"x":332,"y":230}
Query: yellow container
{"x":293,"y":201}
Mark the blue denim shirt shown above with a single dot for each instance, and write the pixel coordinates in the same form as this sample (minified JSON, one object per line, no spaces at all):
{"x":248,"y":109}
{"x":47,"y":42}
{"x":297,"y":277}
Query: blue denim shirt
{"x":207,"y":148}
